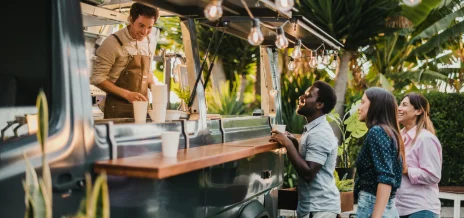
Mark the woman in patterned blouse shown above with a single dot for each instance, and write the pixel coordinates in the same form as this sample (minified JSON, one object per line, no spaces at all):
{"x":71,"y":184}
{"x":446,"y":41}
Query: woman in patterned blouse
{"x":379,"y":164}
{"x":418,"y":195}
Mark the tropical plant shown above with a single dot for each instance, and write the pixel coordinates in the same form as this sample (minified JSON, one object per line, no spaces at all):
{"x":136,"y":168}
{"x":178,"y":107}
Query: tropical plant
{"x":350,"y":127}
{"x":38,"y":191}
{"x":343,"y":185}
{"x":183,"y":93}
{"x":225,"y":101}
{"x":290,"y":174}
{"x":355,"y":24}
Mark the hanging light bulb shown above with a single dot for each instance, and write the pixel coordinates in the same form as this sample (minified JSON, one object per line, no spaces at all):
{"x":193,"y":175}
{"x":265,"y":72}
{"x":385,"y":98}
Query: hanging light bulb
{"x":326,"y":58}
{"x":296,"y":53}
{"x":313,"y":61}
{"x":256,"y":36}
{"x":291,"y":65}
{"x":412,"y":3}
{"x":213,"y":10}
{"x":284,"y":5}
{"x":334,"y":63}
{"x":281,"y":41}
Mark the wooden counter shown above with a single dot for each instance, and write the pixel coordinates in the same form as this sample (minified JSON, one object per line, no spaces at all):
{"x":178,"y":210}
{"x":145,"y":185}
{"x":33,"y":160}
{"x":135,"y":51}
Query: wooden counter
{"x":155,"y":166}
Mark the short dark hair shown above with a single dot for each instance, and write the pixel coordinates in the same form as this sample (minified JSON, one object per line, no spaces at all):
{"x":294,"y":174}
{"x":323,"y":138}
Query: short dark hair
{"x":138,"y":9}
{"x":326,"y":95}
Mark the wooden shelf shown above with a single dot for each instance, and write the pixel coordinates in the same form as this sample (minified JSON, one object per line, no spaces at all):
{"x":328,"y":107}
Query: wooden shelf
{"x":155,"y":166}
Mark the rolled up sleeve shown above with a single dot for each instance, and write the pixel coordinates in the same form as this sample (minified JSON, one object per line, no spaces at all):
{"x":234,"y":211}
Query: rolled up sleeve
{"x":382,"y":155}
{"x":104,"y":61}
{"x":430,"y":162}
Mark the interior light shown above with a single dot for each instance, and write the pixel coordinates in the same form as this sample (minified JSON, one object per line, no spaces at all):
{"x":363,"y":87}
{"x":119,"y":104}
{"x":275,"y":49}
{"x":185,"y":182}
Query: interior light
{"x":256,"y":36}
{"x":213,"y":10}
{"x":291,"y":65}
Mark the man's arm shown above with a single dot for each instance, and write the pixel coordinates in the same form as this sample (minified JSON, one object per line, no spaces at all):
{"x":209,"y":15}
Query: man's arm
{"x":305,"y":169}
{"x":109,"y":87}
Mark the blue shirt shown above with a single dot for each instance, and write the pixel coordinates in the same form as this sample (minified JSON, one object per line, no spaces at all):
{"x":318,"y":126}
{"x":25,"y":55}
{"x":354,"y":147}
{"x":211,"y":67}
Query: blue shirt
{"x":318,"y":144}
{"x":378,"y":162}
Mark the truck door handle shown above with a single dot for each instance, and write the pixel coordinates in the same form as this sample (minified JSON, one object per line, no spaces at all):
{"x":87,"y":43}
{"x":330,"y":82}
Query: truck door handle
{"x":68,"y":185}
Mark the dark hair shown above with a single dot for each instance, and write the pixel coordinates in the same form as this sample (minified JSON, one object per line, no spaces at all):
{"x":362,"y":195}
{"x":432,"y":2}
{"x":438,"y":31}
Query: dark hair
{"x":138,"y":9}
{"x":383,"y":111}
{"x":419,"y":102}
{"x":326,"y":95}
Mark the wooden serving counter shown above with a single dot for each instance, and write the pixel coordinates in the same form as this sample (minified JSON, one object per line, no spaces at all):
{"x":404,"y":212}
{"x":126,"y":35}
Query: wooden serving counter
{"x":155,"y":166}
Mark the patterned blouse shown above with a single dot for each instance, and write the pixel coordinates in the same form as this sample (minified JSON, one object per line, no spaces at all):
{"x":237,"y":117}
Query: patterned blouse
{"x":378,"y":162}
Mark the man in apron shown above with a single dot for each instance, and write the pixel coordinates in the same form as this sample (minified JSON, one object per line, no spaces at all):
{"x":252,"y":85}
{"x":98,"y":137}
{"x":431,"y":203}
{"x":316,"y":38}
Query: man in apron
{"x":123,"y":61}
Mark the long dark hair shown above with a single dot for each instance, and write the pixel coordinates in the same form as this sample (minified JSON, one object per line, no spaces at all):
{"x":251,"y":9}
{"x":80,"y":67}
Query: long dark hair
{"x":383,"y":111}
{"x":419,"y":102}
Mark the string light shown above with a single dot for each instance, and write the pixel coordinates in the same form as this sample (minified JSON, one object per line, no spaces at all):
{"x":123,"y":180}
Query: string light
{"x":291,"y":64}
{"x":412,"y":3}
{"x":281,"y":41}
{"x":313,"y":61}
{"x":296,"y":53}
{"x":284,"y":5}
{"x":256,"y":36}
{"x":213,"y":10}
{"x":326,"y":58}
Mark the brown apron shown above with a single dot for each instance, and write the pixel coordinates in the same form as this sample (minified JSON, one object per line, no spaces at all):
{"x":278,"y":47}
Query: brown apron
{"x":133,"y":78}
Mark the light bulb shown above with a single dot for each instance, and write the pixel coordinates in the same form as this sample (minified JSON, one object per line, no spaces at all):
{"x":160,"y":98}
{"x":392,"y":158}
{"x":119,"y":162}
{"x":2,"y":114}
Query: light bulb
{"x":256,"y":36}
{"x":273,"y":92}
{"x":281,"y":41}
{"x":213,"y":10}
{"x":313,"y":62}
{"x":412,"y":3}
{"x":296,"y":53}
{"x":291,"y":65}
{"x":326,"y":58}
{"x":334,"y":63}
{"x":284,"y":5}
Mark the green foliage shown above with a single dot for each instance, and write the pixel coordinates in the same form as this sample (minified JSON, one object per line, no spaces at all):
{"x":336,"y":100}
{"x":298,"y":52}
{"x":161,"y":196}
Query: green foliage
{"x":419,"y":13}
{"x":350,"y":127}
{"x":290,"y":174}
{"x":183,"y":93}
{"x":448,"y":120}
{"x":38,"y":191}
{"x":343,"y":185}
{"x":225,"y":100}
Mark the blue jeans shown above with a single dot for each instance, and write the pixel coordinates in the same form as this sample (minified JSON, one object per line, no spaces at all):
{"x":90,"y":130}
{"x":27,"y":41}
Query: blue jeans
{"x":422,"y":214}
{"x":366,"y":202}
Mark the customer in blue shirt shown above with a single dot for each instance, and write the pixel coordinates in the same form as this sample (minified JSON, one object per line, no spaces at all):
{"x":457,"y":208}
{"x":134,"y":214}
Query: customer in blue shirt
{"x":379,"y":165}
{"x":314,"y":158}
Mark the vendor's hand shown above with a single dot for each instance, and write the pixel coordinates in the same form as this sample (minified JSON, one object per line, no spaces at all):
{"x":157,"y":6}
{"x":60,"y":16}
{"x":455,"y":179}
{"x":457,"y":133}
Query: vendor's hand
{"x":135,"y":96}
{"x":280,"y":138}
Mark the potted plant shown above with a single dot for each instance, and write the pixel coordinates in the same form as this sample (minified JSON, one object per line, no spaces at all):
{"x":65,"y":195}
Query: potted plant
{"x":350,"y":127}
{"x":183,"y":93}
{"x":38,"y":191}
{"x":345,"y":187}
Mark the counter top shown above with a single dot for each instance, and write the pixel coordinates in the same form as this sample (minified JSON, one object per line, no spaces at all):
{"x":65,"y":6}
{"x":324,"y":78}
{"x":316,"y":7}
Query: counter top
{"x":155,"y":166}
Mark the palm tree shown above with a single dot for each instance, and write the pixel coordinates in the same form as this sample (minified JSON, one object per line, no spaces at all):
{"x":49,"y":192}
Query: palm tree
{"x":356,"y":23}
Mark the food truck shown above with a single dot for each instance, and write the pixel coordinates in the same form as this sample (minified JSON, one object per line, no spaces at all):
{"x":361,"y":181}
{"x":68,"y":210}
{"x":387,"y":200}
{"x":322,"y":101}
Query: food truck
{"x":225,"y":167}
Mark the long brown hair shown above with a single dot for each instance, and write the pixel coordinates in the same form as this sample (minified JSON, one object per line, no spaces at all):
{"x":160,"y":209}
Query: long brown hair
{"x":383,"y":111}
{"x":419,"y":102}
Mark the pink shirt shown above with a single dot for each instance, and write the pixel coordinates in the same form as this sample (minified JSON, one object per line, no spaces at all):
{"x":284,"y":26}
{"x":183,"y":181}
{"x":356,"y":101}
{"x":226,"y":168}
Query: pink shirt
{"x":419,"y":189}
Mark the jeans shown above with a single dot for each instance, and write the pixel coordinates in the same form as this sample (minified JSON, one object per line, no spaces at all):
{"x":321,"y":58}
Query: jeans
{"x":366,"y":202}
{"x":321,"y":215}
{"x":422,"y":214}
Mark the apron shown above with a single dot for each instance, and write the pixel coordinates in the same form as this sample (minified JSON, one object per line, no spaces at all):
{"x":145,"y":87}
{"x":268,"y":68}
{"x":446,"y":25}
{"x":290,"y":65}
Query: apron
{"x":133,"y":78}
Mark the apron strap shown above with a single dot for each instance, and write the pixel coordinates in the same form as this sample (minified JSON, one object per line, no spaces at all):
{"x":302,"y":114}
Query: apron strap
{"x":117,"y":38}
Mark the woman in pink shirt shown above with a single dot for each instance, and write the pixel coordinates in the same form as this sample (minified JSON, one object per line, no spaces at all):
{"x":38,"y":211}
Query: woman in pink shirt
{"x":418,"y":193}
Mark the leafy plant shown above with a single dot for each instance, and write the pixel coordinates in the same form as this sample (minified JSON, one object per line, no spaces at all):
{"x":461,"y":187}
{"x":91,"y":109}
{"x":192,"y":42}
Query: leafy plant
{"x":350,"y":127}
{"x":290,"y":174}
{"x":38,"y":191}
{"x":225,"y":101}
{"x":343,"y":185}
{"x":183,"y":93}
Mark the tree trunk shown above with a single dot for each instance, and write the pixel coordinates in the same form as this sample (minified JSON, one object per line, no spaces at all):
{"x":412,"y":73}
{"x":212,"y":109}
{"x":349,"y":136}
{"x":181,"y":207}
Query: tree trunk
{"x":341,"y":82}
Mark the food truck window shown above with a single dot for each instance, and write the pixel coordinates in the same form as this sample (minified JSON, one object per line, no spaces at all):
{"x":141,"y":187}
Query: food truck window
{"x":26,"y":58}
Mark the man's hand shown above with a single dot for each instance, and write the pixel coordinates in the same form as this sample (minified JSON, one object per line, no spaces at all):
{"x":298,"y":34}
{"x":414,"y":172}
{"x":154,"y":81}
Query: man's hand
{"x":280,"y":138}
{"x":292,"y":138}
{"x":134,"y":96}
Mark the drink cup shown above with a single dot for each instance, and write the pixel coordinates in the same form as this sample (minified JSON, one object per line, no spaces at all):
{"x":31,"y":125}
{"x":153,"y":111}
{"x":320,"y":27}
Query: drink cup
{"x":170,"y":143}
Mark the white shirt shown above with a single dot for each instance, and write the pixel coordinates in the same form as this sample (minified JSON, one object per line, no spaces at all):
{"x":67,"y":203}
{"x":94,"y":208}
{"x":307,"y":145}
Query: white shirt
{"x":111,"y":58}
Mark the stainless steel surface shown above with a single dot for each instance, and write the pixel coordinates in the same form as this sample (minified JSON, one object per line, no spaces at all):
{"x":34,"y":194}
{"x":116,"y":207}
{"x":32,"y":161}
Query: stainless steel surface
{"x":276,"y":71}
{"x":241,"y":128}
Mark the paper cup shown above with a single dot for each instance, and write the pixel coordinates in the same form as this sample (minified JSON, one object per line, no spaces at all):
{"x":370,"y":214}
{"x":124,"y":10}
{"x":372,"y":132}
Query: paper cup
{"x":170,"y":143}
{"x":158,"y":114}
{"x":140,"y":111}
{"x":159,"y":94}
{"x":280,"y":128}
